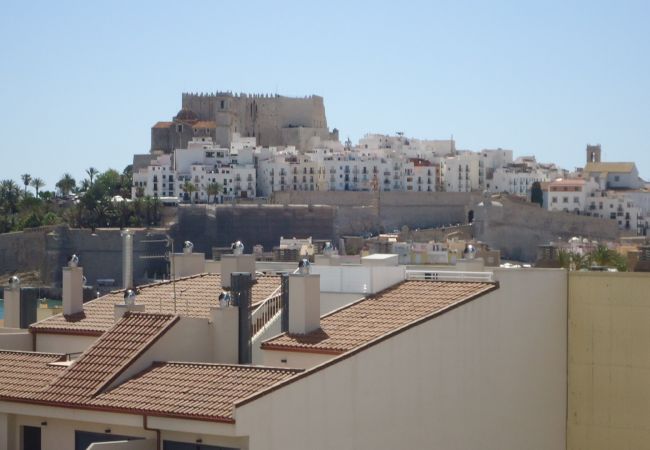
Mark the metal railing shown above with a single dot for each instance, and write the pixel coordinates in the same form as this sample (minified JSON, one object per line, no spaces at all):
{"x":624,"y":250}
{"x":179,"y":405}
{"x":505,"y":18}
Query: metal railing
{"x":448,"y":275}
{"x":265,"y":312}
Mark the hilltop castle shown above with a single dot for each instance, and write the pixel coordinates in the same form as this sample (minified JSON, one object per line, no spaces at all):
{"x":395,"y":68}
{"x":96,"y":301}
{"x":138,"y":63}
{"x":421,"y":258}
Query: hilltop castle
{"x":274,"y":120}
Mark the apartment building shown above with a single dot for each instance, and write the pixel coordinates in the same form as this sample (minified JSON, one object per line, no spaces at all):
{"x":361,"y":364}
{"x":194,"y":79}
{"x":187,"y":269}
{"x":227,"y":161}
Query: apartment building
{"x":429,"y":371}
{"x":202,"y":164}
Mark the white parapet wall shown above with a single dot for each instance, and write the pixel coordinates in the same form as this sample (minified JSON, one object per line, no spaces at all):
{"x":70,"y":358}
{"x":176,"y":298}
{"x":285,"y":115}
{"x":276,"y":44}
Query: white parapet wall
{"x":360,"y":279}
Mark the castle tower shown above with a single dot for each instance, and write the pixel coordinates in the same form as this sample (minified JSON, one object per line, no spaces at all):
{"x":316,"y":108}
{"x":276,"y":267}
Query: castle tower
{"x":593,"y":153}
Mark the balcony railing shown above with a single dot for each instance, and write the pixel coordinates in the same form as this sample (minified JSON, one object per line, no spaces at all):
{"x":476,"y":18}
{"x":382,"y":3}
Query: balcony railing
{"x":448,"y":275}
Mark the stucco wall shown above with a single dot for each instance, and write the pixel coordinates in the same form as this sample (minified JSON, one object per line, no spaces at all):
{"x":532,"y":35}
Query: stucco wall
{"x":609,"y":361}
{"x":488,"y":375}
{"x":63,"y":343}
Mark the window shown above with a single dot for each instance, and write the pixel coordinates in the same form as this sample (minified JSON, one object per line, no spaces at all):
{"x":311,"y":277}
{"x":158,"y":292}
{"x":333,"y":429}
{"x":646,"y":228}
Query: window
{"x":617,"y":178}
{"x":83,"y":439}
{"x":576,"y":200}
{"x":222,"y":104}
{"x":31,"y":438}
{"x":565,"y":199}
{"x":172,"y":445}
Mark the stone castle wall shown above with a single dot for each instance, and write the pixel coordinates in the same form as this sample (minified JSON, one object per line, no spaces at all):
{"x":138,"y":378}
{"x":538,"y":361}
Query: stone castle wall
{"x":220,"y":225}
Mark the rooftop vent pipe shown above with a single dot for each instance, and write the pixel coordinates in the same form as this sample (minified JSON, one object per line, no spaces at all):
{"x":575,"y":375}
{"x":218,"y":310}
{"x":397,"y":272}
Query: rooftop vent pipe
{"x":127,"y":259}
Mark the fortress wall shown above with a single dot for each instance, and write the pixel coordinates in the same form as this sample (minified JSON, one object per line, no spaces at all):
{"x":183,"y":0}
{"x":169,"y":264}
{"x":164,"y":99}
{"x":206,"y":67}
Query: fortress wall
{"x":220,"y":225}
{"x":21,"y":251}
{"x":518,"y":228}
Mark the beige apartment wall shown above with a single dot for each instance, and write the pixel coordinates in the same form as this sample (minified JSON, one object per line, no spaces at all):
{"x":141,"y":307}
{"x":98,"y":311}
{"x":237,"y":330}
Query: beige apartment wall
{"x":16,"y":339}
{"x":609,"y":361}
{"x":63,"y":343}
{"x":294,"y":360}
{"x":189,"y":339}
{"x":488,"y":375}
{"x":58,"y":426}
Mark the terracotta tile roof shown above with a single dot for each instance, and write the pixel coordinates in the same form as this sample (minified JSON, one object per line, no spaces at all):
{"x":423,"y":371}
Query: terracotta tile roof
{"x":109,"y":356}
{"x":205,"y":124}
{"x":193,"y":390}
{"x":389,"y":311}
{"x":163,"y":124}
{"x":23,"y":374}
{"x":618,"y":167}
{"x":195,"y":296}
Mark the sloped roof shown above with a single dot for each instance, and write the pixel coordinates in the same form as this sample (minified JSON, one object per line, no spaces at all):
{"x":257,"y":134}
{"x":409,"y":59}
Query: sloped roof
{"x":617,"y":167}
{"x":195,"y":295}
{"x":389,"y":311}
{"x":194,"y":390}
{"x":22,"y":374}
{"x":205,"y":124}
{"x":163,"y":124}
{"x":173,"y":389}
{"x":109,"y":356}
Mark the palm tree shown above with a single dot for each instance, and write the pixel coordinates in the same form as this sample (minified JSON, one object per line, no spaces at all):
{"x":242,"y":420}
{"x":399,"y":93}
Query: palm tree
{"x":37,"y":183}
{"x":189,"y":188}
{"x":214,"y":189}
{"x":91,"y":171}
{"x":27,"y":178}
{"x":9,"y":196}
{"x":66,"y":184}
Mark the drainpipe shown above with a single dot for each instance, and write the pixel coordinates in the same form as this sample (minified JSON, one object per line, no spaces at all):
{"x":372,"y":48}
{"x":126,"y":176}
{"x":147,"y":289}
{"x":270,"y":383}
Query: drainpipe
{"x":145,"y":425}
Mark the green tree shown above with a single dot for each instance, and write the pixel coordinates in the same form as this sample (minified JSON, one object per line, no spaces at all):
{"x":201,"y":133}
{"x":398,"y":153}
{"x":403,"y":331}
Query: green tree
{"x":27,"y":178}
{"x":37,"y":184}
{"x":213,"y":189}
{"x":66,"y":184}
{"x":189,"y":188}
{"x":605,"y":257}
{"x":536,"y":194}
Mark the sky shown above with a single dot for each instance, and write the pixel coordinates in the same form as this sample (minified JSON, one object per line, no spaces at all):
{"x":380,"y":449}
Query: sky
{"x":81,"y":83}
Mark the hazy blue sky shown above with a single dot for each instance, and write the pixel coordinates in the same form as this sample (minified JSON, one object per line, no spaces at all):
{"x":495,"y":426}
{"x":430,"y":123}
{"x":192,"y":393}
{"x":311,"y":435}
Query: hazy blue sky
{"x":81,"y":83}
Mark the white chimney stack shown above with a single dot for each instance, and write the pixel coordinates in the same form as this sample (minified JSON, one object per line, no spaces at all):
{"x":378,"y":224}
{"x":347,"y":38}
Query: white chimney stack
{"x":225,"y":326}
{"x":129,"y":305}
{"x":72,"y":287}
{"x":12,"y":303}
{"x":304,"y":303}
{"x":236,"y":263}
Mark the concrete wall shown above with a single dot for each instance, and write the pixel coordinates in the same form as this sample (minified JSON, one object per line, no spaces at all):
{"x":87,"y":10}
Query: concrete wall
{"x":488,"y":375}
{"x":15,"y":339}
{"x":609,"y":361}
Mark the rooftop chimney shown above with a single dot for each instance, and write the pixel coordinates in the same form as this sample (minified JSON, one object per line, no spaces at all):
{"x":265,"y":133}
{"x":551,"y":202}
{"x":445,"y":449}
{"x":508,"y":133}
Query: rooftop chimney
{"x":187,"y":263}
{"x":127,"y":259}
{"x":225,"y":319}
{"x":12,"y":303}
{"x":242,"y":284}
{"x":236,"y":263}
{"x":72,"y":287}
{"x":128,"y":305}
{"x":304,"y":303}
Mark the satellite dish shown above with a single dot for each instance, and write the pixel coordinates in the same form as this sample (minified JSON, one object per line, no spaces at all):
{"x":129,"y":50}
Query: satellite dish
{"x":303,"y":266}
{"x":73,"y":261}
{"x":14,"y":282}
{"x":129,"y":297}
{"x":237,"y":248}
